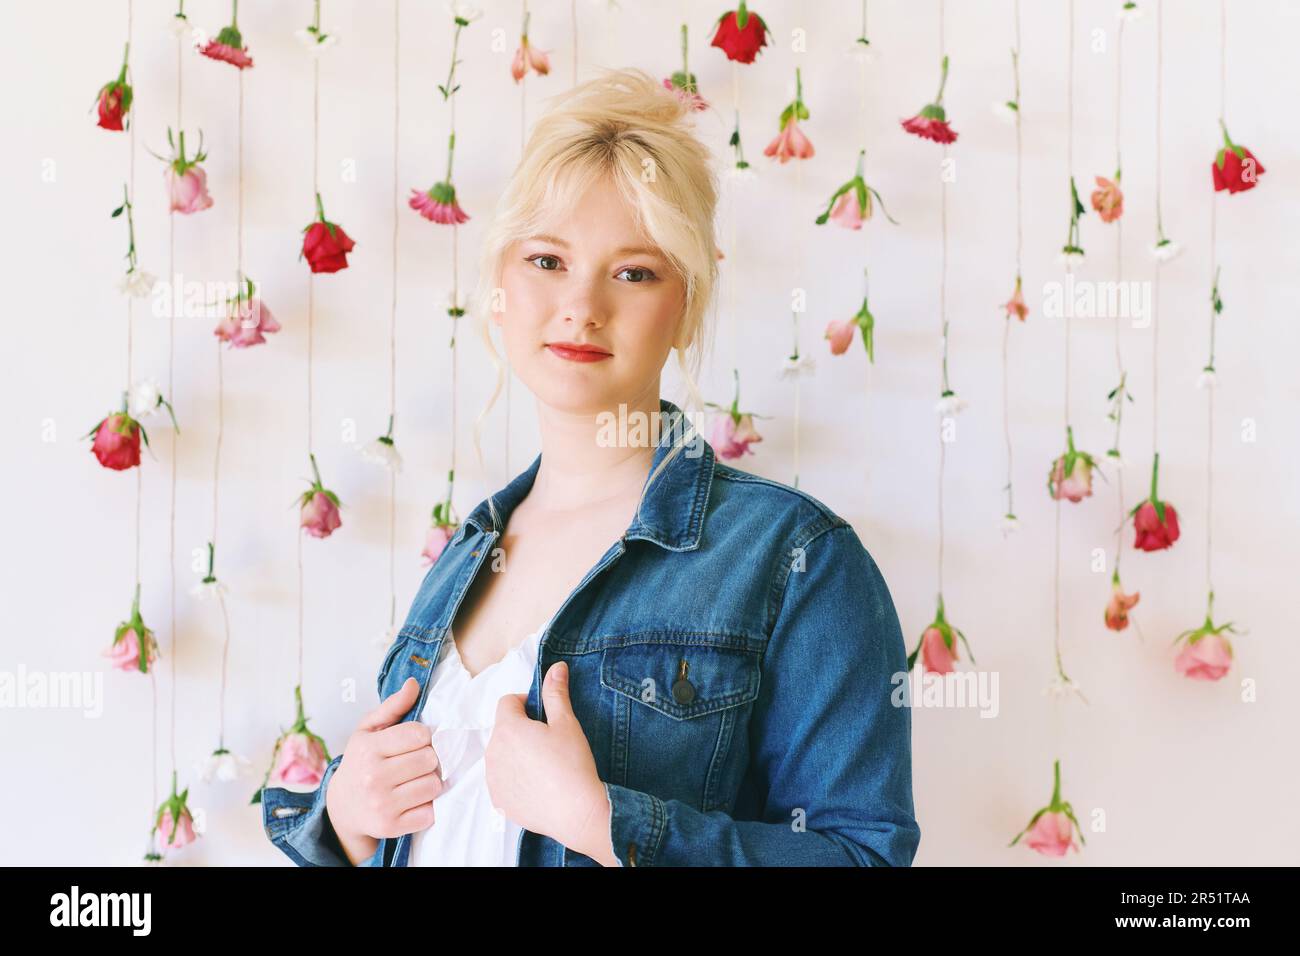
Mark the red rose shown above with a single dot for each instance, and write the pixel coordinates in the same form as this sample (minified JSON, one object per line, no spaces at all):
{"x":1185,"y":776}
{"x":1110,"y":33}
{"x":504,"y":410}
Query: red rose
{"x":1235,"y":168}
{"x":740,"y":34}
{"x":1152,"y":533}
{"x":117,"y":442}
{"x":325,"y":244}
{"x":112,"y":105}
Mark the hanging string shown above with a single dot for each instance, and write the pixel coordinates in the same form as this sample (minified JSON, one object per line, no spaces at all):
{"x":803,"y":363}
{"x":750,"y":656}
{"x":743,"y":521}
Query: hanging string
{"x":943,"y":305}
{"x":1119,"y":280}
{"x":573,"y":19}
{"x":1155,"y":285}
{"x":732,"y":320}
{"x":866,"y":233}
{"x":311,"y":317}
{"x":392,"y":320}
{"x":1214,"y":279}
{"x":1006,"y":325}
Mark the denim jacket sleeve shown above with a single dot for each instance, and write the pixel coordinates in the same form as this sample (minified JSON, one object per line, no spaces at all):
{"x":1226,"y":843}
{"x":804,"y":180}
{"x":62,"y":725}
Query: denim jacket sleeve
{"x":299,"y":826}
{"x":830,"y":750}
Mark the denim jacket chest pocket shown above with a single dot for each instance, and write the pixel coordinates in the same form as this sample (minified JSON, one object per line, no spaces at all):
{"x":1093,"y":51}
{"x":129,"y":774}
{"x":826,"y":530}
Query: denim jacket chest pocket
{"x":679,"y":713}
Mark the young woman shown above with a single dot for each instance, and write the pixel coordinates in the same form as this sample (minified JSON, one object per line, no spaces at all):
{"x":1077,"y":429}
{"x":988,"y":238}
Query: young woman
{"x":632,"y":654}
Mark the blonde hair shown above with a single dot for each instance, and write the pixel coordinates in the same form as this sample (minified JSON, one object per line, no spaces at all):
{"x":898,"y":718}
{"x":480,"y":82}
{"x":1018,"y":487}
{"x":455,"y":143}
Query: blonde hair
{"x":626,"y":125}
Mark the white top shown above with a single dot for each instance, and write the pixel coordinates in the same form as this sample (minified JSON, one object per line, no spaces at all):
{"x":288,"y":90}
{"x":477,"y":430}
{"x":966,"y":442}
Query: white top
{"x":467,"y":830}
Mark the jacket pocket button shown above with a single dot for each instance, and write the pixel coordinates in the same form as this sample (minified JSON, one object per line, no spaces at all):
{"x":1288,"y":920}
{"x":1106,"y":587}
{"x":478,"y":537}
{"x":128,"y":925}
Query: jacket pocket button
{"x":683,"y":689}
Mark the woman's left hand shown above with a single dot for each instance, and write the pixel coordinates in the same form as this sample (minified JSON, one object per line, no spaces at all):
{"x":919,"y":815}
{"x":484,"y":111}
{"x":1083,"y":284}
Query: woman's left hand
{"x":542,"y":775}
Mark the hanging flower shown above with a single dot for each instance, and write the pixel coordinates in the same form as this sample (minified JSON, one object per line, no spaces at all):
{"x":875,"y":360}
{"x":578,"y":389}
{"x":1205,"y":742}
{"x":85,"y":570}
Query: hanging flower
{"x":187,"y":182}
{"x":1113,"y":456}
{"x":734,"y":431}
{"x":949,"y":404}
{"x":1071,"y":474}
{"x":442,"y":529}
{"x":134,"y":647}
{"x":114,"y":99}
{"x":841,"y":334}
{"x":1062,"y":686}
{"x":117,"y":439}
{"x":684,"y":83}
{"x":1235,"y":168}
{"x":850,"y":205}
{"x":1006,"y":110}
{"x":180,"y":25}
{"x":438,"y":204}
{"x":932,"y":122}
{"x":790,"y":142}
{"x":1119,"y":605}
{"x":173,"y":820}
{"x":209,"y":588}
{"x":740,"y":34}
{"x":229,"y":47}
{"x":325,"y":244}
{"x":937,"y":648}
{"x":146,"y":398}
{"x":1130,"y":11}
{"x":1207,"y":378}
{"x":382,"y":451}
{"x":320,"y":507}
{"x":316,"y":40}
{"x":739,"y":173}
{"x":1154,"y":521}
{"x":137,"y":283}
{"x":299,"y":758}
{"x":1107,"y":198}
{"x":528,"y":56}
{"x":1010,"y":524}
{"x":861,"y":49}
{"x":797,"y":366}
{"x":224,"y":766}
{"x":1072,"y":251}
{"x":1165,"y":249}
{"x":1208,"y":654}
{"x":247,"y":321}
{"x":1016,"y":304}
{"x":1051,"y":830}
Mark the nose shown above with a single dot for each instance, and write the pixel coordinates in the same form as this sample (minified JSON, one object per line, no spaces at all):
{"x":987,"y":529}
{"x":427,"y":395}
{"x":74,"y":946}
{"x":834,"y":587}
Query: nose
{"x":586,"y":306}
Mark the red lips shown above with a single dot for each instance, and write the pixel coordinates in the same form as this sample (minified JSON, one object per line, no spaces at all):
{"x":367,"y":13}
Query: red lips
{"x":577,"y":352}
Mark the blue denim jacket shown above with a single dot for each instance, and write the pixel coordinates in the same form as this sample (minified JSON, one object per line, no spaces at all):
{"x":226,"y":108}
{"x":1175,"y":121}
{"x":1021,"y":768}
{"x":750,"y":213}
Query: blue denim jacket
{"x":731,"y":662}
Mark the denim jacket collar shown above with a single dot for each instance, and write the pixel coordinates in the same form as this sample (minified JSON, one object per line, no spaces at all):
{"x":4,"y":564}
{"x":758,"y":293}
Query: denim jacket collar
{"x":672,"y":510}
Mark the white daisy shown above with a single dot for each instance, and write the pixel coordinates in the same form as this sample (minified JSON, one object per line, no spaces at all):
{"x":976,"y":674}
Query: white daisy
{"x":1006,"y":111}
{"x":382,"y":451}
{"x":1063,"y":687}
{"x":740,"y":178}
{"x":793,"y":367}
{"x":1166,"y":249}
{"x":1010,"y":525}
{"x":316,"y":43}
{"x":1071,"y":259}
{"x":1207,"y":379}
{"x":950,"y":404}
{"x":145,"y":398}
{"x":862,"y":52}
{"x":209,"y":589}
{"x":463,"y":9}
{"x":224,"y":766}
{"x":1113,"y":456}
{"x":180,"y":25}
{"x":1130,"y":12}
{"x":137,"y":283}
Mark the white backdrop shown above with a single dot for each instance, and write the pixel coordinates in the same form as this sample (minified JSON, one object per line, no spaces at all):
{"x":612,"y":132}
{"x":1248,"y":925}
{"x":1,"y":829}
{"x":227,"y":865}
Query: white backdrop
{"x":1181,"y":772}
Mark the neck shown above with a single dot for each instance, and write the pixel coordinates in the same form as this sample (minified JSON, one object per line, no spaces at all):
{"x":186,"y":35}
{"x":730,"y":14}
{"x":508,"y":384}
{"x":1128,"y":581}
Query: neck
{"x":576,"y":471}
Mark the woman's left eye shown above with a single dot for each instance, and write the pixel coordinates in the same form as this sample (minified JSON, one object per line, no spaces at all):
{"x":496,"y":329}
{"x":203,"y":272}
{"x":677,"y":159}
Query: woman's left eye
{"x":645,"y":274}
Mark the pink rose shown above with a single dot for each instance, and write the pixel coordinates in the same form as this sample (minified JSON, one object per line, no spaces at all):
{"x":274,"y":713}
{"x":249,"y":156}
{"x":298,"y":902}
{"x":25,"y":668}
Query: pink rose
{"x":124,"y":652}
{"x":1052,"y":834}
{"x":1119,"y":606}
{"x":247,"y":323}
{"x":189,"y":190}
{"x":732,"y":438}
{"x":840,"y":334}
{"x":436,"y":541}
{"x":1073,"y":487}
{"x":1208,"y":658}
{"x":790,"y":143}
{"x":320,"y":516}
{"x":176,"y":834}
{"x":117,"y":442}
{"x":847,"y":211}
{"x":300,"y":760}
{"x":937,"y":656}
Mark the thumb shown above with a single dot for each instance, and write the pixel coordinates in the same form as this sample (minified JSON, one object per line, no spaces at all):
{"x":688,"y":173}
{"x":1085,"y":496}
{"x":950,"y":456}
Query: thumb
{"x":392,"y":707}
{"x":555,"y":694}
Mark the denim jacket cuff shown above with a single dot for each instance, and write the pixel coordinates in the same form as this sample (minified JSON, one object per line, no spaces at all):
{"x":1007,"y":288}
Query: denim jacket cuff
{"x":298,"y":824}
{"x":637,"y":821}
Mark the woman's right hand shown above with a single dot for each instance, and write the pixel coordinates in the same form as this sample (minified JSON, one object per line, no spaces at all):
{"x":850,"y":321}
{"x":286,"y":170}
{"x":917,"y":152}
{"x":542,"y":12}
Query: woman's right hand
{"x":387,"y":780}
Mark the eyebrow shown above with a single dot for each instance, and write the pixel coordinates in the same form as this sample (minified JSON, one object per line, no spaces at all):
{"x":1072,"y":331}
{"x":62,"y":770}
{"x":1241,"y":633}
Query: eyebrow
{"x":624,"y":251}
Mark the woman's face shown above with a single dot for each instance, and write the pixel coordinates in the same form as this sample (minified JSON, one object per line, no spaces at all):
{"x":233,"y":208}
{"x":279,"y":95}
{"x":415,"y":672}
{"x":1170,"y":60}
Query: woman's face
{"x":594,"y":280}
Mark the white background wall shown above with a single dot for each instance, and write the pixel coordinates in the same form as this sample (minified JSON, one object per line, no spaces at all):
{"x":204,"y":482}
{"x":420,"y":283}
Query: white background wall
{"x":1184,"y":772}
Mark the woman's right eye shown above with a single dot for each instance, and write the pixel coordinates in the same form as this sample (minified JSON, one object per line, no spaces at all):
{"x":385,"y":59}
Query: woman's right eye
{"x":540,"y":257}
